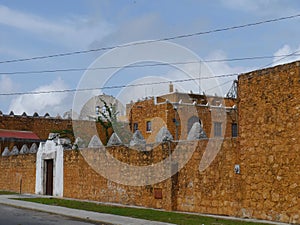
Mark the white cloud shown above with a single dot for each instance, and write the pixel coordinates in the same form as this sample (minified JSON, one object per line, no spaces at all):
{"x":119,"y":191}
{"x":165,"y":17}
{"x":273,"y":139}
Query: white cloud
{"x":137,"y":29}
{"x":6,"y":84}
{"x":222,"y":67}
{"x":52,"y":103}
{"x":286,"y":54}
{"x":78,"y":31}
{"x":263,"y":7}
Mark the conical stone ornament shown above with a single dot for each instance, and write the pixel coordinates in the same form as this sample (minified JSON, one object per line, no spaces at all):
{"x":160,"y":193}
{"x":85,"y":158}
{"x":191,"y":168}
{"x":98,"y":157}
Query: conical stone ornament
{"x":6,"y":152}
{"x":33,"y":148}
{"x":14,"y":151}
{"x":24,"y":149}
{"x":114,"y":140}
{"x":196,"y":132}
{"x":163,"y":135}
{"x":137,"y":139}
{"x":95,"y":142}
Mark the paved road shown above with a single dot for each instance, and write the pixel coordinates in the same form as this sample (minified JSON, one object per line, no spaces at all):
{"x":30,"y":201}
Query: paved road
{"x":16,"y":216}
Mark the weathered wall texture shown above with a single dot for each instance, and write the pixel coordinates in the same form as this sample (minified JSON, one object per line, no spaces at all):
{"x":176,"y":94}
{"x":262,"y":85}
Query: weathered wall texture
{"x":18,"y":172}
{"x":216,"y":190}
{"x":82,"y":181}
{"x":269,"y":125}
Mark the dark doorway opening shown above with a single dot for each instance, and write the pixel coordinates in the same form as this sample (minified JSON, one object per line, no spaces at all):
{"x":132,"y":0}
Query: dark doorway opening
{"x":49,"y":176}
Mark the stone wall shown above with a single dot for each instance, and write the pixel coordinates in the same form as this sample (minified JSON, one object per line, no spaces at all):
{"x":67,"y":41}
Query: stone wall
{"x":269,"y":125}
{"x":216,"y":190}
{"x":263,"y":191}
{"x":81,"y":180}
{"x":17,"y":173}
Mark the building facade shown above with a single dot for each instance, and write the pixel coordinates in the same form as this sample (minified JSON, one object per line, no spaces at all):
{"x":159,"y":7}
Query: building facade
{"x":179,"y":111}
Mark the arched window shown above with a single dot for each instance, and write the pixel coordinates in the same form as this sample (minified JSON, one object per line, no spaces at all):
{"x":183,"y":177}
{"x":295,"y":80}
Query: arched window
{"x":191,"y":122}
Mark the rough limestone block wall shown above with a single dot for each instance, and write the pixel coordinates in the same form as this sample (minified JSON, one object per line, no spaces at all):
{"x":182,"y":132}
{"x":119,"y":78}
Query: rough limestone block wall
{"x":269,"y":125}
{"x":217,"y":189}
{"x":83,"y":182}
{"x":18,"y":172}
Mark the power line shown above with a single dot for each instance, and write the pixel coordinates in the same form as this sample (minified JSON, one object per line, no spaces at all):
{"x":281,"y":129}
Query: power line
{"x":145,"y":65}
{"x":220,"y":85}
{"x":152,"y":41}
{"x":115,"y":86}
{"x":281,"y":57}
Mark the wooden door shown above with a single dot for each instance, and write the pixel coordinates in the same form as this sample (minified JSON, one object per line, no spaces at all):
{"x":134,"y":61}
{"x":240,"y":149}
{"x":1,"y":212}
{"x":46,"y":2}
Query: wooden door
{"x":49,"y":176}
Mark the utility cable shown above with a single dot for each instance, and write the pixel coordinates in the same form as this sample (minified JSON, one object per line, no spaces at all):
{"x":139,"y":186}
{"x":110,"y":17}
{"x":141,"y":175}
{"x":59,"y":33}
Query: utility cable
{"x":115,"y":86}
{"x":152,"y":41}
{"x":144,"y":65}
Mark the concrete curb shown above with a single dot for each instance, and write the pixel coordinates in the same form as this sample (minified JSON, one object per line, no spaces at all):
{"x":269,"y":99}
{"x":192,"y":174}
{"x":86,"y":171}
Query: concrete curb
{"x":75,"y":213}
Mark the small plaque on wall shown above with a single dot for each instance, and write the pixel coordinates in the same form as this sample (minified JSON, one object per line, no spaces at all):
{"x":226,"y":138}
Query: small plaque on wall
{"x":157,"y":193}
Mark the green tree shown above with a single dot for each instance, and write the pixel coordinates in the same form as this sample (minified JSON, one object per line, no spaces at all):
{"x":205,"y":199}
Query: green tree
{"x":107,"y":117}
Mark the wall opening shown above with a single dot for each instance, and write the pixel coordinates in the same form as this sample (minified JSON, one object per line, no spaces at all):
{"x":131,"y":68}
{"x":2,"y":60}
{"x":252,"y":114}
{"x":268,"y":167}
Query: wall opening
{"x":48,"y":171}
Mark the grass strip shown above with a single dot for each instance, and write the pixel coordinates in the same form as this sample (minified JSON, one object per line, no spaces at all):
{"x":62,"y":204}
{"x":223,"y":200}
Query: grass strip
{"x":140,"y":213}
{"x":8,"y":193}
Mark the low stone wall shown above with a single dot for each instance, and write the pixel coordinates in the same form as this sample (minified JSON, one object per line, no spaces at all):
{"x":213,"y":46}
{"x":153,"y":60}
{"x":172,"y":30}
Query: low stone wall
{"x":17,"y":173}
{"x":83,"y":182}
{"x":216,"y":190}
{"x":267,"y":186}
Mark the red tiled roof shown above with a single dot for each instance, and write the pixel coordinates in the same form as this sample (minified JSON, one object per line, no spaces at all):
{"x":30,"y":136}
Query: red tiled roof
{"x":18,"y":134}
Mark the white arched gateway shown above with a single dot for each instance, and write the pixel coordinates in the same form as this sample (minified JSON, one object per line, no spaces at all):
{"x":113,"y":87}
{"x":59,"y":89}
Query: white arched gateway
{"x":49,"y":167}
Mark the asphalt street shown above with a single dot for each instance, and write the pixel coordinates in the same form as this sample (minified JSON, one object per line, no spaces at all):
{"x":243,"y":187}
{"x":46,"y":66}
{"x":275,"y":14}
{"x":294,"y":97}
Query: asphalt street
{"x":16,"y":216}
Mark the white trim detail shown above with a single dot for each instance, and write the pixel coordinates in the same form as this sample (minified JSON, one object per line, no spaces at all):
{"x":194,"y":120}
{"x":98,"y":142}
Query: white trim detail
{"x":51,"y":149}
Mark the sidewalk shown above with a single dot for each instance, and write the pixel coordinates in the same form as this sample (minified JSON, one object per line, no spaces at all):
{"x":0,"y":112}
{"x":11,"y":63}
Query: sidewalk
{"x":75,"y":213}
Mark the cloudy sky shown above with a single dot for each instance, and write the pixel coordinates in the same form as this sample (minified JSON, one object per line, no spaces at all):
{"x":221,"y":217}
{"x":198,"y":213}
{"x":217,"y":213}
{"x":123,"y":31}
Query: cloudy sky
{"x":39,"y":28}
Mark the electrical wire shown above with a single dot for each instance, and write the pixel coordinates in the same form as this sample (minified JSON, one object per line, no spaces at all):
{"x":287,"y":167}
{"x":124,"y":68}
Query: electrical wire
{"x":220,"y":85}
{"x":295,"y":53}
{"x":115,"y":86}
{"x":143,"y":84}
{"x":146,"y":65}
{"x":152,"y":41}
